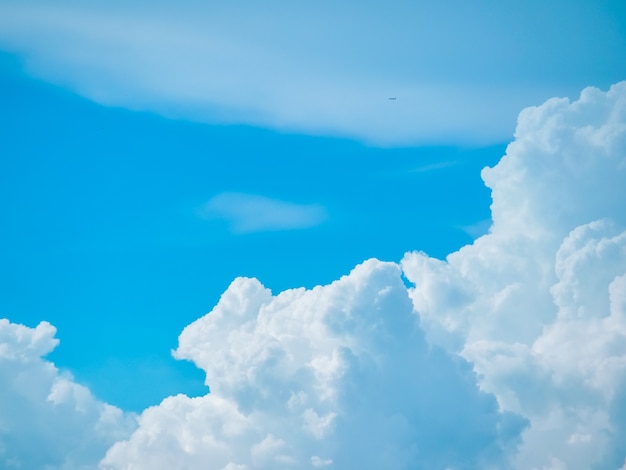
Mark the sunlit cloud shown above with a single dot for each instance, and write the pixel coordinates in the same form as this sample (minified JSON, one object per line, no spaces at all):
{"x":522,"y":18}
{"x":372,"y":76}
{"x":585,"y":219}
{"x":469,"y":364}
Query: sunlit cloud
{"x":538,"y":304}
{"x":351,"y":375}
{"x":509,"y":353}
{"x":339,"y":376}
{"x":47,"y":419}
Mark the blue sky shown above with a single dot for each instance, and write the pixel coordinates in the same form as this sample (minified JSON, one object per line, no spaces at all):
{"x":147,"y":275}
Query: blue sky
{"x":151,"y":155}
{"x":107,"y":222}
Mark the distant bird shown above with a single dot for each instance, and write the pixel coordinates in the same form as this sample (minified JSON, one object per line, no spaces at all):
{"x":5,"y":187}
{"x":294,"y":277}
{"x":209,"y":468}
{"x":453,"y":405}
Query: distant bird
{"x":392,"y":98}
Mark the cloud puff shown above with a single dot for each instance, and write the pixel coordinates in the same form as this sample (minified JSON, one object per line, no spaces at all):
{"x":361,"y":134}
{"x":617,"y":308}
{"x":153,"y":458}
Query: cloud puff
{"x":339,"y":376}
{"x":47,"y":420}
{"x":460,"y":73}
{"x":538,"y":304}
{"x":345,"y":376}
{"x":252,"y":213}
{"x":510,"y":353}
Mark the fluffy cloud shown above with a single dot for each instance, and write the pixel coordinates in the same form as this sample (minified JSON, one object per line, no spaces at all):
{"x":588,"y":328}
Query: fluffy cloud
{"x":339,"y":376}
{"x":510,"y":353}
{"x":363,"y":373}
{"x":460,"y":72}
{"x":538,"y":304}
{"x":47,"y":421}
{"x":247,"y":213}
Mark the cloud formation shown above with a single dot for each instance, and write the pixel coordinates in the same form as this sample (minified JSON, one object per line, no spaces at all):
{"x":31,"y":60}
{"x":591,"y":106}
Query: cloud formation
{"x":338,"y":376}
{"x":538,"y":304}
{"x":510,"y":353}
{"x":248,"y":213}
{"x":460,"y":73}
{"x":47,"y":420}
{"x":356,"y":375}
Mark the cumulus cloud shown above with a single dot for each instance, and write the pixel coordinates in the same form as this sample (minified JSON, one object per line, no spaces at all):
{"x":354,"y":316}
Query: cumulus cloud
{"x":363,"y":373}
{"x":48,"y":421}
{"x":339,"y":376}
{"x":247,"y":213}
{"x":510,"y":353}
{"x":322,"y":67}
{"x":537,"y":305}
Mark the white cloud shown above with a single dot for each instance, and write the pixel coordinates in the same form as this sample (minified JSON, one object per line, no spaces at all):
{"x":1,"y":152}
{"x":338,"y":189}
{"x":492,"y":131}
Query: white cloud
{"x":338,"y":376}
{"x":317,"y":462}
{"x":47,"y":421}
{"x":252,"y":213}
{"x":344,"y":376}
{"x":538,"y":304}
{"x":460,"y":72}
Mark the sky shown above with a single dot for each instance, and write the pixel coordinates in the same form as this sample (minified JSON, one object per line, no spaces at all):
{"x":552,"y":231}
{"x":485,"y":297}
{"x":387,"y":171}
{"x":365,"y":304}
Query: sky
{"x":301,"y":235}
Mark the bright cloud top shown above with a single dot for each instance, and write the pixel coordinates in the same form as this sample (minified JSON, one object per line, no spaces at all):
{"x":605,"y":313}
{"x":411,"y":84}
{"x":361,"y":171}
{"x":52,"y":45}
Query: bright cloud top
{"x":510,"y":353}
{"x":248,"y":213}
{"x":339,"y":376}
{"x":47,"y":420}
{"x":460,"y":72}
{"x":538,"y":304}
{"x":342,"y":376}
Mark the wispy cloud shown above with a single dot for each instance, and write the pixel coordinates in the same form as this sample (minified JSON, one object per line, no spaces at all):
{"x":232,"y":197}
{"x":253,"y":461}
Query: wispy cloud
{"x":306,"y":377}
{"x":324,"y":68}
{"x":433,"y":167}
{"x":248,"y":213}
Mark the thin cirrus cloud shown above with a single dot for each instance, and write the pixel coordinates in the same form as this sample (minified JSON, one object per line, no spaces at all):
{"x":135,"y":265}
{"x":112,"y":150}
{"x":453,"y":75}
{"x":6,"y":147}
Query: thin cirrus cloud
{"x":248,"y":213}
{"x":510,"y":353}
{"x":459,"y":72}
